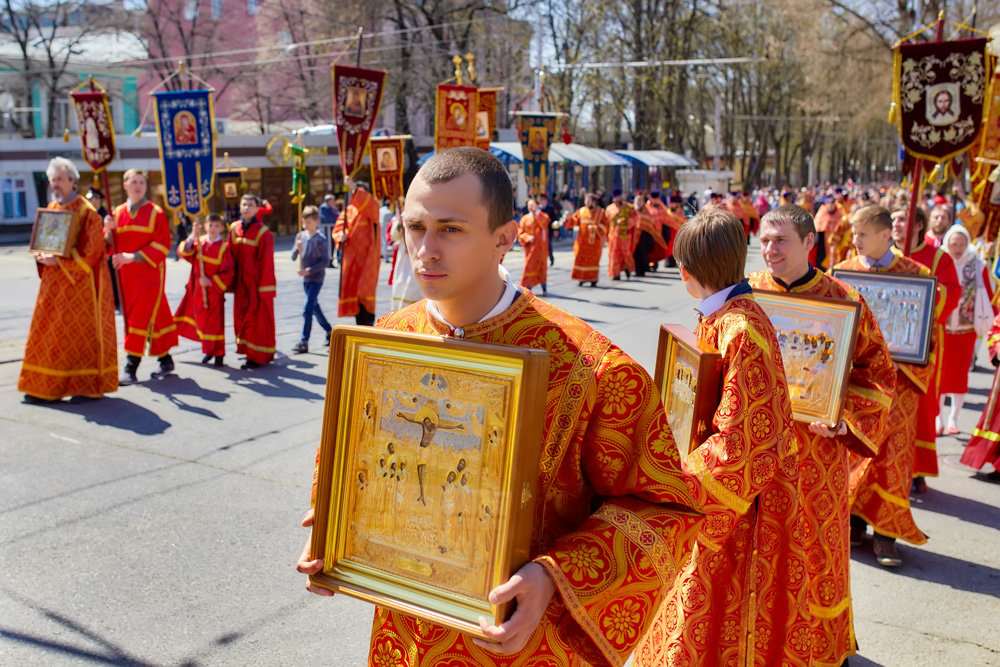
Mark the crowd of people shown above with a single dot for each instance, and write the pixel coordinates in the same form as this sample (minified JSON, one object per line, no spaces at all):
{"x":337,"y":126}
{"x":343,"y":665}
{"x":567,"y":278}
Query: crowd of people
{"x":737,"y":553}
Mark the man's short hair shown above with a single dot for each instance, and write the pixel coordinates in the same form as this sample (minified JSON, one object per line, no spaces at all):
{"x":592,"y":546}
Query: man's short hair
{"x":251,"y":197}
{"x":310,"y":212}
{"x":214,"y":217}
{"x":363,"y":185}
{"x":946,"y":209}
{"x":58,"y":164}
{"x":327,"y":197}
{"x":800,"y":218}
{"x":129,"y":173}
{"x":876,"y":216}
{"x":497,"y":190}
{"x":712,"y":247}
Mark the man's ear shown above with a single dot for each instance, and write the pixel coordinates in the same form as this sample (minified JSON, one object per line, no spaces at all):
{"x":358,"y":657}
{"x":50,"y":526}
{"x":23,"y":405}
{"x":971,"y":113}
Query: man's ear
{"x":809,"y":241}
{"x":505,"y":236}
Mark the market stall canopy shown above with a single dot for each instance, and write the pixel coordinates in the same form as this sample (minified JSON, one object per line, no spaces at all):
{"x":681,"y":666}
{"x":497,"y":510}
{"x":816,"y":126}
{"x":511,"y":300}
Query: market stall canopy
{"x":509,"y":152}
{"x":659,"y":158}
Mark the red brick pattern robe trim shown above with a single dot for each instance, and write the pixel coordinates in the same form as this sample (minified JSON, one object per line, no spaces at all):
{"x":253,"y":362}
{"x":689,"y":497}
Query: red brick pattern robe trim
{"x":195,"y":319}
{"x":825,"y":470}
{"x":359,"y":272}
{"x":742,"y":598}
{"x":533,"y":235}
{"x":254,"y":287}
{"x":941,"y":265}
{"x":72,"y":342}
{"x":880,"y":486}
{"x":589,"y":244}
{"x":148,"y":315}
{"x":606,"y":445}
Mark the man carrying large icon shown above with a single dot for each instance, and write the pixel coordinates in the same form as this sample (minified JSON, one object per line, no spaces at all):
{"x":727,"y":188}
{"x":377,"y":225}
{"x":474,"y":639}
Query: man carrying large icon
{"x":614,"y":521}
{"x":787,"y":236}
{"x":71,"y":348}
{"x":880,"y":486}
{"x":140,"y":236}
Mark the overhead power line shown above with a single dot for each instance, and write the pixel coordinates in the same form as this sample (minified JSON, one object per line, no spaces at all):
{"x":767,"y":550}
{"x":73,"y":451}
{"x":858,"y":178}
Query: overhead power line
{"x":689,"y":62}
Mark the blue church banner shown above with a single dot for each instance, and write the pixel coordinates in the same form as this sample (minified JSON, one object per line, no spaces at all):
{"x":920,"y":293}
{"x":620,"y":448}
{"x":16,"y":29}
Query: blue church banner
{"x":186,"y":127}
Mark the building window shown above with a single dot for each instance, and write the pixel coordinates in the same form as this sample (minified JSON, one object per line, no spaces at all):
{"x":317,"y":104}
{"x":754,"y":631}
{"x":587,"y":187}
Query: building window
{"x":252,"y":7}
{"x":15,"y":198}
{"x":191,"y":10}
{"x":216,"y":9}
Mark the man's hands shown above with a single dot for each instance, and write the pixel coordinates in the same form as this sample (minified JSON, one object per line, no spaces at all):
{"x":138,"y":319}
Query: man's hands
{"x":204,"y":281}
{"x":532,"y":587}
{"x":48,"y":259}
{"x":819,"y":428}
{"x":122,"y":258}
{"x":308,"y":565}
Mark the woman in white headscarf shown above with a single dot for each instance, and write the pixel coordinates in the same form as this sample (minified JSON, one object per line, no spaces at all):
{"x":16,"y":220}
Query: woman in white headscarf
{"x":971,"y":319}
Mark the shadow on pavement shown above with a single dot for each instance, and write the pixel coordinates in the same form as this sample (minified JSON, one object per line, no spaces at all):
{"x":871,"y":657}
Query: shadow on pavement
{"x":924,"y":565}
{"x":115,"y":412}
{"x":273,"y":380}
{"x":861,"y":661}
{"x":172,"y":388}
{"x":965,"y":509}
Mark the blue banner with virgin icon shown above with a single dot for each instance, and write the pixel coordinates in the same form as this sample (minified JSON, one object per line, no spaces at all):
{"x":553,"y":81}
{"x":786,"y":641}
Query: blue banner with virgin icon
{"x":186,"y":128}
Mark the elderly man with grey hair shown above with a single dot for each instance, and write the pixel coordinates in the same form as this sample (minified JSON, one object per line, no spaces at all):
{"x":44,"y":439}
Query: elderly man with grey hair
{"x":71,"y":348}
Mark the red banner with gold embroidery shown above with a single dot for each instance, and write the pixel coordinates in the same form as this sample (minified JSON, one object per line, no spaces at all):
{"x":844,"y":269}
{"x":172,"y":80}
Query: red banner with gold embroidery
{"x":486,"y":117}
{"x":387,"y":167}
{"x":357,"y":95}
{"x":93,"y":122}
{"x":457,"y":108}
{"x":986,"y":194}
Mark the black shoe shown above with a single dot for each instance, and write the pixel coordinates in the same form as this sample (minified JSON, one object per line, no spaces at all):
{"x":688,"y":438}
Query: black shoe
{"x":593,"y":283}
{"x":128,"y":377}
{"x":628,"y":275}
{"x":207,"y":358}
{"x":581,"y":283}
{"x":35,"y":400}
{"x":885,"y":551}
{"x":919,"y":485}
{"x":328,"y":334}
{"x":250,"y":365}
{"x":218,"y":361}
{"x":858,"y":531}
{"x":617,"y":278}
{"x":300,"y":347}
{"x":166,"y":364}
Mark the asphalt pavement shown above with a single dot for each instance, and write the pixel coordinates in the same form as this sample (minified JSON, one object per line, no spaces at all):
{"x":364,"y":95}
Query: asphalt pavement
{"x":160,"y":524}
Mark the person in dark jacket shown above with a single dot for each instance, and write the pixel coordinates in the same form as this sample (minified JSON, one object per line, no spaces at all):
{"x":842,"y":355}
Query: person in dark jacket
{"x":315,"y":251}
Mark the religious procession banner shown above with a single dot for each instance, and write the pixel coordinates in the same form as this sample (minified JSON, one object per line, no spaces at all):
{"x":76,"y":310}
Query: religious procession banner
{"x":387,"y":168}
{"x":986,"y":193}
{"x":456,"y":119}
{"x":230,"y":185}
{"x":486,"y":116}
{"x":300,"y":177}
{"x":938,"y":94}
{"x":185,"y":123}
{"x":357,"y":95}
{"x":93,"y":121}
{"x":536,"y":131}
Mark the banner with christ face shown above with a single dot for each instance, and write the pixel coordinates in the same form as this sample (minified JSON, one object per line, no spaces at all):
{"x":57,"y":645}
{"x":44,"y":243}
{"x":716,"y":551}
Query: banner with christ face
{"x":357,"y":96}
{"x":940,"y":90}
{"x":93,"y":122}
{"x":185,"y":126}
{"x":536,"y":131}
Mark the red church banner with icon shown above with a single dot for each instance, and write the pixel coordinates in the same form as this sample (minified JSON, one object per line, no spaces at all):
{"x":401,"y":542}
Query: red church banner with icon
{"x":357,"y":96}
{"x":93,"y":121}
{"x":455,"y":124}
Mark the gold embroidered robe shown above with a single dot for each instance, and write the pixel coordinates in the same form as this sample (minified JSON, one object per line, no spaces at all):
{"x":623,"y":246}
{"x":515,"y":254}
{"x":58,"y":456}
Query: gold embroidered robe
{"x":825,"y":470}
{"x":741,"y":600}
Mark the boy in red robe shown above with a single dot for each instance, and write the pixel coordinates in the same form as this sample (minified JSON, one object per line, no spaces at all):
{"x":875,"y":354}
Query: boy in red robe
{"x":356,"y":233}
{"x":880,"y":486}
{"x":742,"y":598}
{"x":941,"y":265}
{"x":787,"y":236}
{"x":201,"y":315}
{"x":533,"y":235}
{"x":589,"y":244}
{"x":140,"y":240}
{"x":252,"y":248}
{"x":74,"y":303}
{"x":613,"y":518}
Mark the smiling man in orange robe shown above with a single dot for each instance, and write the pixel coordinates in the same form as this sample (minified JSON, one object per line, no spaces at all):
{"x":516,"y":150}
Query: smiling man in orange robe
{"x":880,"y":486}
{"x":742,"y":598}
{"x":140,"y":237}
{"x":614,"y":520}
{"x":787,"y":236}
{"x":589,"y":244}
{"x":71,"y":348}
{"x":356,"y":232}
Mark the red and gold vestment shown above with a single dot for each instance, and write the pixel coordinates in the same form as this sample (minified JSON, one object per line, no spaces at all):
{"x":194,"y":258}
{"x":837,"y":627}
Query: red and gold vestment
{"x":613,"y":521}
{"x":825,"y":470}
{"x":147,"y":314}
{"x":622,"y":237}
{"x":72,"y":343}
{"x":984,"y":445}
{"x":533,"y":235}
{"x":741,"y":600}
{"x":359,"y":271}
{"x":252,"y":249}
{"x":196,"y":319}
{"x":589,"y":242}
{"x":880,"y":486}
